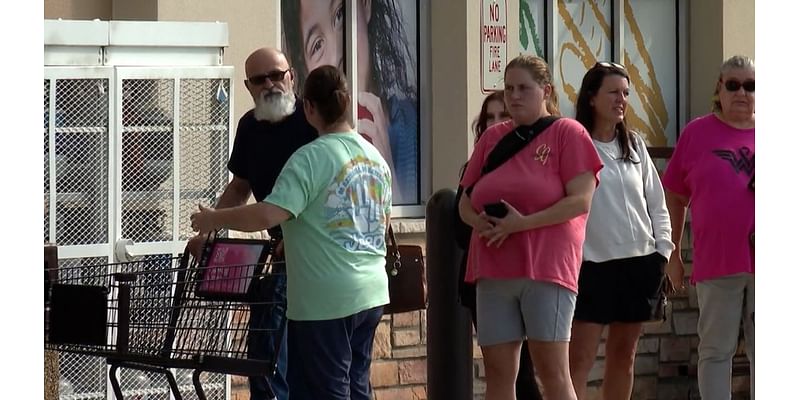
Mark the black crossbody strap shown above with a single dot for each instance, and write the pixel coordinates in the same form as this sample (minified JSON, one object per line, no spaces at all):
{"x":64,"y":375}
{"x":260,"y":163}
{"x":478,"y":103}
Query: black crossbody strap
{"x":512,"y":143}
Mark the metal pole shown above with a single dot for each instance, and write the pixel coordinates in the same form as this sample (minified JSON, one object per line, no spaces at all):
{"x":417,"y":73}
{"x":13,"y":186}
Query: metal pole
{"x":449,"y":325}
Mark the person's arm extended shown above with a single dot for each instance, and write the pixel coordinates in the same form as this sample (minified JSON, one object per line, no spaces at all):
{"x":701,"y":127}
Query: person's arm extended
{"x":249,"y":218}
{"x":578,"y":201}
{"x":676,"y":206}
{"x":236,"y":193}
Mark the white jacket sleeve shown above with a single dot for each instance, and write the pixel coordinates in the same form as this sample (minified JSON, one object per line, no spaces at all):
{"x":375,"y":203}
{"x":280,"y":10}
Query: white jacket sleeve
{"x":656,"y":204}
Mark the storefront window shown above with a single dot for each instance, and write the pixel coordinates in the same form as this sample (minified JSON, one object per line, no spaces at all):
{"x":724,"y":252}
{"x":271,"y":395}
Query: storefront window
{"x":586,"y":31}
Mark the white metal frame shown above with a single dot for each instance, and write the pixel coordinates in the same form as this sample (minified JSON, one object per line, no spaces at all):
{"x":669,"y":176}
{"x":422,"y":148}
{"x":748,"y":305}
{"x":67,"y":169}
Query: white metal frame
{"x":54,"y":74}
{"x":175,"y":245}
{"x":98,"y":50}
{"x":114,"y":77}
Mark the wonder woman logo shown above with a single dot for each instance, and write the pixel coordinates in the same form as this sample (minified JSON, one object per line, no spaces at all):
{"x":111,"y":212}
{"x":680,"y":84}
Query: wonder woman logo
{"x":740,"y":160}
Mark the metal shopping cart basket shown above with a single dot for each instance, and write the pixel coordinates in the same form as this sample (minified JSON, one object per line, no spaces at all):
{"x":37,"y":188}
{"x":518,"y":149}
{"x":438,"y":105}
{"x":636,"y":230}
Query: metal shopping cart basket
{"x":158,"y":314}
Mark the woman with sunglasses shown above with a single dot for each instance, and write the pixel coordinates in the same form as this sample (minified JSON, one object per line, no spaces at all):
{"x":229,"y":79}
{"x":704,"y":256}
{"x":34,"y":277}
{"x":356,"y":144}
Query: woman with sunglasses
{"x":628,"y":238}
{"x":711,"y":169}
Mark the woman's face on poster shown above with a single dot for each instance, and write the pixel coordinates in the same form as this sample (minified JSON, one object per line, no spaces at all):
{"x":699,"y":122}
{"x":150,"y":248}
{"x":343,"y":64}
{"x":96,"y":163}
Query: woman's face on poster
{"x":322,"y":28}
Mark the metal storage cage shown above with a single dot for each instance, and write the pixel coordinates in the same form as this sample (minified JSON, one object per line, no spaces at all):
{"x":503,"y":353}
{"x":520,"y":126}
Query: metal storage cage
{"x":137,"y":132}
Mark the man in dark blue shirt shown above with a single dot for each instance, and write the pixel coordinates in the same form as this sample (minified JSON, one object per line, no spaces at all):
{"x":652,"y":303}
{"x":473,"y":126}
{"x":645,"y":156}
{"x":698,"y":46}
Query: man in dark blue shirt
{"x":266,"y":137}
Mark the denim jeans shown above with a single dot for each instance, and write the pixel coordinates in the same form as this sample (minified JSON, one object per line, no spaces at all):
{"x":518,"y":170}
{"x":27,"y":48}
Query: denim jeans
{"x":331,"y":358}
{"x":268,"y":332}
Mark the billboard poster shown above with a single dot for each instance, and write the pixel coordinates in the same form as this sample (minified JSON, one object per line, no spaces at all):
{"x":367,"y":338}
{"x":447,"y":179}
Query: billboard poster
{"x":388,"y":74}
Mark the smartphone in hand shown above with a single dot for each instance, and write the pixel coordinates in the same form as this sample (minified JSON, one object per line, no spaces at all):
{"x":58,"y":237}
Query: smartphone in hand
{"x":497,"y":210}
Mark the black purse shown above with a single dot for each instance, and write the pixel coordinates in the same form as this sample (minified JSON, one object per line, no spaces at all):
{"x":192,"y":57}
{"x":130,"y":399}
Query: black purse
{"x":658,"y":306}
{"x":405,"y":269}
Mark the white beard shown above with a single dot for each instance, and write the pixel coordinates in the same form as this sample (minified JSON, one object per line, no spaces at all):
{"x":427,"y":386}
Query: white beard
{"x":274,"y":106}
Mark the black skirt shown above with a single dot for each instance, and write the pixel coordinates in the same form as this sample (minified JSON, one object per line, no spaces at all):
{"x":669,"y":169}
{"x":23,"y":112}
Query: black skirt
{"x":619,"y":290}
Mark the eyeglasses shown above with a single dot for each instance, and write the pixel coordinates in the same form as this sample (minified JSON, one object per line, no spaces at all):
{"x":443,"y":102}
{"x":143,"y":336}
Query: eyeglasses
{"x":732,"y":85}
{"x":608,"y":64}
{"x":275,"y":76}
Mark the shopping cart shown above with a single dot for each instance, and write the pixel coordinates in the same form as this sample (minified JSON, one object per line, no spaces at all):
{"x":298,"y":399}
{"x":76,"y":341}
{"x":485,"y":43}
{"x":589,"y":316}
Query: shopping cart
{"x":161,"y":313}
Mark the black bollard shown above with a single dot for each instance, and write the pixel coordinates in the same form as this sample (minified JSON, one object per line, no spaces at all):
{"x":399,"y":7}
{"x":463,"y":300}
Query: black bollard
{"x":449,"y":325}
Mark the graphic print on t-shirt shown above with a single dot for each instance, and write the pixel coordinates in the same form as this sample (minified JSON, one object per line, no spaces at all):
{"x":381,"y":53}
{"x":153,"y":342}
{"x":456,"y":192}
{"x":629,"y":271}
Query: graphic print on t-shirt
{"x":357,"y":204}
{"x":542,"y":153}
{"x":741,"y":160}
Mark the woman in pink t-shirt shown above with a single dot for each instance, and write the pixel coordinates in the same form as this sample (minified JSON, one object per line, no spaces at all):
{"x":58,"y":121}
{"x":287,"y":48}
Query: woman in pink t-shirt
{"x":712,"y":169}
{"x":493,"y":111}
{"x":526,"y":263}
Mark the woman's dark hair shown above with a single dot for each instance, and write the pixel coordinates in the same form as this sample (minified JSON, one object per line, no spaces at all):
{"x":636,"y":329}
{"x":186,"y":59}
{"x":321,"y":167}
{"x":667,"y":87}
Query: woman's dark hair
{"x":479,"y":124}
{"x":326,"y":89}
{"x":584,"y":111}
{"x":389,"y":51}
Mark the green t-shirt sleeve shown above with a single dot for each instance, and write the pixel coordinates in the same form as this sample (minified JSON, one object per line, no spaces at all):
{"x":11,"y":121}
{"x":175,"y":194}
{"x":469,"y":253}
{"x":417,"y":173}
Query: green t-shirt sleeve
{"x":297,"y":185}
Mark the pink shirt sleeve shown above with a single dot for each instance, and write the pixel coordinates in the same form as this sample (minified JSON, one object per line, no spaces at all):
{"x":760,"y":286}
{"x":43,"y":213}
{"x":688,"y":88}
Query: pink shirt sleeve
{"x":578,"y":154}
{"x":674,"y":178}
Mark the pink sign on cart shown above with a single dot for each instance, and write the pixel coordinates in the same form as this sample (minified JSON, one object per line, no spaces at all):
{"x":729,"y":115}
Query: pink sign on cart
{"x":228,"y":267}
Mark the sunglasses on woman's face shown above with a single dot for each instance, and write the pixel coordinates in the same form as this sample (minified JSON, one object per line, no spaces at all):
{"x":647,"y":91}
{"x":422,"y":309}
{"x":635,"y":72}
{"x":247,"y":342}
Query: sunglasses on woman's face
{"x":609,"y":64}
{"x":732,"y":85}
{"x":274,"y":76}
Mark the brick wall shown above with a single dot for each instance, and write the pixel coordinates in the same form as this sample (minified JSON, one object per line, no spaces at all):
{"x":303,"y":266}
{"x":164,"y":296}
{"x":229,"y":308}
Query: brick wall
{"x":399,"y":366}
{"x":399,"y":362}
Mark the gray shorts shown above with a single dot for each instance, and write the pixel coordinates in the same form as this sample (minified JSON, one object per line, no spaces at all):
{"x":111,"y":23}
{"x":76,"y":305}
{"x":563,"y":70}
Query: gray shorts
{"x":511,"y":310}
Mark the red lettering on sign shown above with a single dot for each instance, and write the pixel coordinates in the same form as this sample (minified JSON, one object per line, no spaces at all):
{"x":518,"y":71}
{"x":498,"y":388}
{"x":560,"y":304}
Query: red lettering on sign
{"x":494,"y":34}
{"x":494,"y":12}
{"x":495,"y":66}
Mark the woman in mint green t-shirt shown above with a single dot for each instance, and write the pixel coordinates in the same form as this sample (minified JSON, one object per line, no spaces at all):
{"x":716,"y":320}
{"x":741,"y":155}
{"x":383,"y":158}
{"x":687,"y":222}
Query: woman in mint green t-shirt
{"x":333,"y":200}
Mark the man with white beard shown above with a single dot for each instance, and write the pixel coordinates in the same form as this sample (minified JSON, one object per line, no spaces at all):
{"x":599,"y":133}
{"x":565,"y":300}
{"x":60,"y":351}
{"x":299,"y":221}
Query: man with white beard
{"x":266,"y":137}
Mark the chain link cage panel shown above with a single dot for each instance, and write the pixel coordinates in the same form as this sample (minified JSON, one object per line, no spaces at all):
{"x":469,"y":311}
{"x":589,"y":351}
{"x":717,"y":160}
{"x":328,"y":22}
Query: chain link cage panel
{"x":46,"y":160}
{"x":81,"y":377}
{"x":143,"y":385}
{"x":213,"y":385}
{"x":204,"y":133}
{"x":81,"y":161}
{"x":147,"y":159}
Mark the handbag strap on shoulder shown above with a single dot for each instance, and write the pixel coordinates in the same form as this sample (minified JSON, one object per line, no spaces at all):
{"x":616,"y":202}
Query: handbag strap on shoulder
{"x":512,"y":143}
{"x":392,"y":243}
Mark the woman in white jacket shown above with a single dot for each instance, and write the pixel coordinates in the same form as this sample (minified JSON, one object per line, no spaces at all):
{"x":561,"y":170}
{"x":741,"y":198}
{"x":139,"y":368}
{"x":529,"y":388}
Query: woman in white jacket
{"x":628,"y":238}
